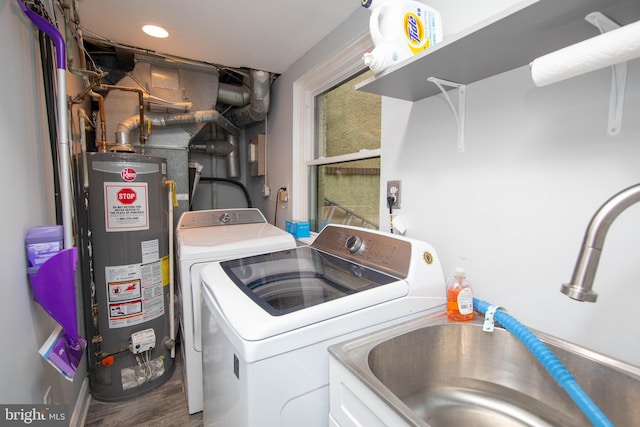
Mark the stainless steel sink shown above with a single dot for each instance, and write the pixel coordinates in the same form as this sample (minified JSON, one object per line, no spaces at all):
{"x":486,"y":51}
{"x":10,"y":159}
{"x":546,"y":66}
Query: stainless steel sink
{"x":432,"y":372}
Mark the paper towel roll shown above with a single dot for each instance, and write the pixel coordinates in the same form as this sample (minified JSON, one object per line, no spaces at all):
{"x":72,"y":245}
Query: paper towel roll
{"x":610,"y":48}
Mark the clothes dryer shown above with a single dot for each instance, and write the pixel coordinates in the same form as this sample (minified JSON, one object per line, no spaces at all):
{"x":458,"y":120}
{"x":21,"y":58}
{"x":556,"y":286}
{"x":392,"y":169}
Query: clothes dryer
{"x":268,"y":320}
{"x":203,"y":237}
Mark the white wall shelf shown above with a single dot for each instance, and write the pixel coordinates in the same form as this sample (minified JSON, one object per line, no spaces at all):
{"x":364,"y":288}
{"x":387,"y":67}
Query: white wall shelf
{"x":508,"y":40}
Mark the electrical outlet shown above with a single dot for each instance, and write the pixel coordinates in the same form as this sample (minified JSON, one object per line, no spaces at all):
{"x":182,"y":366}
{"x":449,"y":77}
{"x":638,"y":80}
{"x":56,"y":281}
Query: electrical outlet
{"x":393,"y":190}
{"x":283,"y":196}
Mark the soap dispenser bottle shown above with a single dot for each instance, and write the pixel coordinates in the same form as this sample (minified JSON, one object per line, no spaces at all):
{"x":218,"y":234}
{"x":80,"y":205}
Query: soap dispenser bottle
{"x":459,"y":295}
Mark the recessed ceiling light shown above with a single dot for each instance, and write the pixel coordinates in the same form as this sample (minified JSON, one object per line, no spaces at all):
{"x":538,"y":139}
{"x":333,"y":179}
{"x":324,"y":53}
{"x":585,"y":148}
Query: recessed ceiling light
{"x":155,"y":31}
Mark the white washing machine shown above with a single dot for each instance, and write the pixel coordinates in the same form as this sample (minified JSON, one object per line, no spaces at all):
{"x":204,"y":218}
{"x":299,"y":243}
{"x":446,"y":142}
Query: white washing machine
{"x":267,"y":320}
{"x":206,"y":236}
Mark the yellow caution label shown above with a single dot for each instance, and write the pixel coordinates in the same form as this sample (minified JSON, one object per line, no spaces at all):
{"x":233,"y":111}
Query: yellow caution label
{"x":165,"y":270}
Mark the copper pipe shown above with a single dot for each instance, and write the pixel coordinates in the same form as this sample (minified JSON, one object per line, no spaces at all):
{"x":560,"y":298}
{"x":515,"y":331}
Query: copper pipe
{"x":143,"y":135}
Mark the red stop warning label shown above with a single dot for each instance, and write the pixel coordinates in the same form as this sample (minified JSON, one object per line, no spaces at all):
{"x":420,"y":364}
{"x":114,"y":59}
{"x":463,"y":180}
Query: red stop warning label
{"x":126,"y":196}
{"x":126,"y":206}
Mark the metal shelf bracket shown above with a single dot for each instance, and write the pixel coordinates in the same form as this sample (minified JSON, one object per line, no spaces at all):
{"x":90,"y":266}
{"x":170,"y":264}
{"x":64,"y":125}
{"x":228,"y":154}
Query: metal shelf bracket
{"x":459,"y":115}
{"x":618,"y":76}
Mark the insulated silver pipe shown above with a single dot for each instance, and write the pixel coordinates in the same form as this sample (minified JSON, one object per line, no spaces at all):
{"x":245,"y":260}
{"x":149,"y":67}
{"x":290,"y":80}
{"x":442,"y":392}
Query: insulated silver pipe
{"x":236,"y":96}
{"x":215,"y":147}
{"x":258,"y":106}
{"x":233,"y":158}
{"x":129,"y":125}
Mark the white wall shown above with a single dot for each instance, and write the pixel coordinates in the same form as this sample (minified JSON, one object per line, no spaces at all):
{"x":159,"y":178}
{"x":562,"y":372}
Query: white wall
{"x":26,"y":175}
{"x":281,"y":163}
{"x":283,"y":144}
{"x":538,"y":163}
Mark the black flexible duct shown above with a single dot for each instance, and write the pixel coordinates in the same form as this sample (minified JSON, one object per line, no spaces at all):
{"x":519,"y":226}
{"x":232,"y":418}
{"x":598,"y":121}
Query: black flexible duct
{"x":230,"y":181}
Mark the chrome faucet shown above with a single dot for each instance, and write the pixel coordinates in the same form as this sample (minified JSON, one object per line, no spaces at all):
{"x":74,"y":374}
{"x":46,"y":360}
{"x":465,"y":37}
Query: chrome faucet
{"x":585,"y":270}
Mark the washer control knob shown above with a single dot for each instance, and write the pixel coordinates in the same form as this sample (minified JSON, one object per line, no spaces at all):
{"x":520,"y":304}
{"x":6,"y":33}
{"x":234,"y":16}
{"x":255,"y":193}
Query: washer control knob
{"x":225,"y":218}
{"x":354,"y":244}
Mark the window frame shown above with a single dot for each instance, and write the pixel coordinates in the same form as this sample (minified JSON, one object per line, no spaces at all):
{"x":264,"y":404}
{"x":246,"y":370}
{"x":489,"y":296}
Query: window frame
{"x":335,"y":70}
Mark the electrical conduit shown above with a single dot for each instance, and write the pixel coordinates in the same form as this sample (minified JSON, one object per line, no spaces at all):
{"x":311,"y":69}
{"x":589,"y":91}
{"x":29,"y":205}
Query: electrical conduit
{"x":63,"y":143}
{"x":550,"y":362}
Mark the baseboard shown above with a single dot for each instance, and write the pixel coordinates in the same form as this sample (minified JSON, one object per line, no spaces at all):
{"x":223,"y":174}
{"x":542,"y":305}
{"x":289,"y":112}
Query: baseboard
{"x":81,"y":408}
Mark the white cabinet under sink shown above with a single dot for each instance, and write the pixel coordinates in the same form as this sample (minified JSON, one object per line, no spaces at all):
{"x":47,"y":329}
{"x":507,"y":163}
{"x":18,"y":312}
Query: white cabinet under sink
{"x":353,"y":404}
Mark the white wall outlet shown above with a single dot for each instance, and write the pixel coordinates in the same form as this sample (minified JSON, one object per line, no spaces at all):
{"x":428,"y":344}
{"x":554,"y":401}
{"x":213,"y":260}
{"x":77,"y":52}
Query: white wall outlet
{"x":393,"y":190}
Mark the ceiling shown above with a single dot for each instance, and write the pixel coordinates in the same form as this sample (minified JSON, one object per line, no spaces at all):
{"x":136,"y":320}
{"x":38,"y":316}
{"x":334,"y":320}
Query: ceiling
{"x":267,"y":35}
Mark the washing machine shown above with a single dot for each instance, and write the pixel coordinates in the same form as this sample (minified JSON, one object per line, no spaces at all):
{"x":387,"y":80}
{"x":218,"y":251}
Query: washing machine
{"x":206,"y":236}
{"x":268,"y":320}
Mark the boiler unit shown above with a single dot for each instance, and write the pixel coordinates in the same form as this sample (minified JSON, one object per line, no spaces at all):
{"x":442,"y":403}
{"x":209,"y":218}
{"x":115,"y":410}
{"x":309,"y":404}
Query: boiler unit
{"x":124,"y":238}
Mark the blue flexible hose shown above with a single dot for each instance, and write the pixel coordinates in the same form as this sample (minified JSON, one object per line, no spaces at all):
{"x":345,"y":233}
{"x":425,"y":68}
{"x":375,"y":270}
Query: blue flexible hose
{"x":550,"y":362}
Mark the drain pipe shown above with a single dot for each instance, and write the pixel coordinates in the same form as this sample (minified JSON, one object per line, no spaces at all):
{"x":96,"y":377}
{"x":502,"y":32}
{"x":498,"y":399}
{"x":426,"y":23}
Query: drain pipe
{"x":550,"y":362}
{"x":63,"y":143}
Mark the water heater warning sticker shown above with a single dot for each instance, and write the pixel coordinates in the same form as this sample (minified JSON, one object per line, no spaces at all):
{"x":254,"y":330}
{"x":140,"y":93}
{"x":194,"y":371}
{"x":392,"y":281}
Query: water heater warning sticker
{"x":135,"y":293}
{"x":125,"y":309}
{"x":126,"y":206}
{"x":123,"y":291}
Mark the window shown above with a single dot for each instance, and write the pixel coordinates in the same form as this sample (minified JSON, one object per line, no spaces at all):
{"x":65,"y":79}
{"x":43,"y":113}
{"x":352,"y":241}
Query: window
{"x":338,"y":157}
{"x":346,"y":123}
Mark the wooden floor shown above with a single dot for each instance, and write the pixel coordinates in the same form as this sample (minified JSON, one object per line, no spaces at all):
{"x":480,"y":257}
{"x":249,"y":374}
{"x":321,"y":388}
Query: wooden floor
{"x":164,"y":406}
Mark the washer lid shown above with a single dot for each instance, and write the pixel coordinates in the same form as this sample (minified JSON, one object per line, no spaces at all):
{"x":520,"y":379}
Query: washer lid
{"x":230,"y":241}
{"x":271,"y":294}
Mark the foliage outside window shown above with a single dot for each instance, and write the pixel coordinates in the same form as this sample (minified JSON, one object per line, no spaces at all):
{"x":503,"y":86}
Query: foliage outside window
{"x":346,"y":191}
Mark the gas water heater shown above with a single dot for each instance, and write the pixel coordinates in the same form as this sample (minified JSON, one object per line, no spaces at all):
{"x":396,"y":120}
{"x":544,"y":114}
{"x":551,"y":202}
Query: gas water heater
{"x":124,"y":231}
